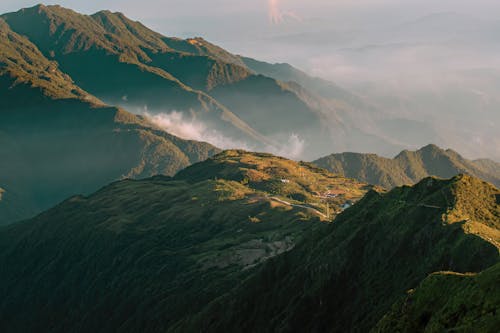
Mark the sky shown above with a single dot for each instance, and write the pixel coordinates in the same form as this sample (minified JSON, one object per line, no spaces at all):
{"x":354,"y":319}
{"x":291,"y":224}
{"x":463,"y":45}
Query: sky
{"x":253,"y":23}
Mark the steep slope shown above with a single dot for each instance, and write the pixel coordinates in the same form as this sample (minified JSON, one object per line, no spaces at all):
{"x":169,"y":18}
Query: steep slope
{"x":447,"y":301}
{"x":264,"y":103}
{"x":409,"y":167}
{"x":127,"y":64}
{"x":346,"y":279}
{"x":109,"y":56}
{"x":58,"y":140}
{"x":139,"y":255}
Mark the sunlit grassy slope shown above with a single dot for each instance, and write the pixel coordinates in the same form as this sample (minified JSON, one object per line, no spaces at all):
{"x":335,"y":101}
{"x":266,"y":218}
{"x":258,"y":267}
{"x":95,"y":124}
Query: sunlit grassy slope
{"x":346,"y":278}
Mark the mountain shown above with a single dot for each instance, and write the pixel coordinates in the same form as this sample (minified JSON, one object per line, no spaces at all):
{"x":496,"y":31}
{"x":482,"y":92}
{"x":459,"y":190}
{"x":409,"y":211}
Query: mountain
{"x":447,"y":301}
{"x":109,"y":56}
{"x":243,"y":241}
{"x":286,"y":73}
{"x":347,"y":278}
{"x":245,"y":102}
{"x":124,"y":63}
{"x":409,"y":167}
{"x":58,"y":140}
{"x":370,"y":127}
{"x":140,"y":255}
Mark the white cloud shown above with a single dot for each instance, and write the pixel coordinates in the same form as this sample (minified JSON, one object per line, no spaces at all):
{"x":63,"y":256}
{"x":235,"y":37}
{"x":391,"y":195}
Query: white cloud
{"x":191,"y":129}
{"x":293,"y":148}
{"x":175,"y":123}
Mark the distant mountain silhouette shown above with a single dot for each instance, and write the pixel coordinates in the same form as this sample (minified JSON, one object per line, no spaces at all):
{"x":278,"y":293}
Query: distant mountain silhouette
{"x":409,"y":167}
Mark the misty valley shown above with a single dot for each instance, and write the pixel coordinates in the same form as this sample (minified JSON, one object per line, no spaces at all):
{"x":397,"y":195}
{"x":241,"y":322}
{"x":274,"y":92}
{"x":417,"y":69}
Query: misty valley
{"x":172,"y":184}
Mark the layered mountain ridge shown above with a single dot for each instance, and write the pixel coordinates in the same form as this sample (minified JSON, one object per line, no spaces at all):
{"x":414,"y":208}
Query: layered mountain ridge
{"x":188,"y":238}
{"x":124,"y":63}
{"x":58,"y":140}
{"x":241,"y":241}
{"x":409,"y":167}
{"x":60,"y":71}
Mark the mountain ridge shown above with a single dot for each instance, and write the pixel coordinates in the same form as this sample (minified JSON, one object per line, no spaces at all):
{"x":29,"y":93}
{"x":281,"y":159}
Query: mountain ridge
{"x":341,"y":278}
{"x":408,"y":167}
{"x":45,"y":117}
{"x":129,"y":65}
{"x":168,"y":245}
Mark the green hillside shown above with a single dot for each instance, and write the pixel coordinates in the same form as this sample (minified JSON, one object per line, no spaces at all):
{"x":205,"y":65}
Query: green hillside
{"x":296,"y":182}
{"x":347,"y":278}
{"x":140,"y":255}
{"x":243,"y":242}
{"x":447,"y":301}
{"x":409,"y":167}
{"x":58,"y":140}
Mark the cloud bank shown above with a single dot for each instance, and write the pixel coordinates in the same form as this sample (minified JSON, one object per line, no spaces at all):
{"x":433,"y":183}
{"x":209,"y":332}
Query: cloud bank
{"x":175,"y":123}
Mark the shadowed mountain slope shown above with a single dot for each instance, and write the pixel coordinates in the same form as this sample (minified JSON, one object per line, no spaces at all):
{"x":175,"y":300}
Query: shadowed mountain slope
{"x":58,"y":140}
{"x":110,"y":56}
{"x":346,"y":279}
{"x":409,"y":167}
{"x":142,"y":254}
{"x":125,"y":63}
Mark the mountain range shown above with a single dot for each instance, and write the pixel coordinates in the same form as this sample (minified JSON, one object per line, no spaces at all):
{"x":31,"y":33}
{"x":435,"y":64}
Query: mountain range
{"x":60,"y":140}
{"x":120,"y":210}
{"x":234,"y":98}
{"x":409,"y":167}
{"x":243,"y":242}
{"x":62,"y":73}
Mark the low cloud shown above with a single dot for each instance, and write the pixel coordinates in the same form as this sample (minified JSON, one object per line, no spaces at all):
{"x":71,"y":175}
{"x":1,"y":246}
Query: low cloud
{"x":294,"y":148}
{"x":190,"y":129}
{"x":175,"y":123}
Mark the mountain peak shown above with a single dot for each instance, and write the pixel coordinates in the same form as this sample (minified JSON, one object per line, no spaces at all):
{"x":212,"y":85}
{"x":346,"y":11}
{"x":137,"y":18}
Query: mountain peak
{"x":431,"y":148}
{"x":409,"y":167}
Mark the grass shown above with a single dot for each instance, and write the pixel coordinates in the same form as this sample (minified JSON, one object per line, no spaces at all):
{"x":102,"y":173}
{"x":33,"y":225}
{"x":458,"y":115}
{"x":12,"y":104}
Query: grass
{"x":447,"y":301}
{"x":170,"y":245}
{"x":348,"y":278}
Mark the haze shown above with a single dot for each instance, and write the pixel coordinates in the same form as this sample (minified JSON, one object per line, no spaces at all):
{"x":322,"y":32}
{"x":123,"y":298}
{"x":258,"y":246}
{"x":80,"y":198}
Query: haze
{"x":434,"y":62}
